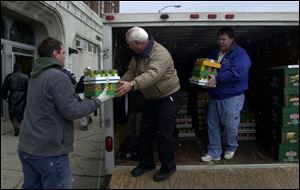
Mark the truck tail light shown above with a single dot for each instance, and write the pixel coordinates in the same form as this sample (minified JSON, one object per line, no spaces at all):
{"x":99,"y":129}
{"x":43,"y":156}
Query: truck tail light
{"x":109,"y":17}
{"x":194,"y":16}
{"x":212,"y":16}
{"x":229,"y":16}
{"x":108,"y":144}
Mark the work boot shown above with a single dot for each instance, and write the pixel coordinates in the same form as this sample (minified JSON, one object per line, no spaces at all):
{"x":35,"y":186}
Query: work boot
{"x":90,"y":120}
{"x":84,"y":128}
{"x":137,"y":171}
{"x":163,"y":175}
{"x":17,"y":131}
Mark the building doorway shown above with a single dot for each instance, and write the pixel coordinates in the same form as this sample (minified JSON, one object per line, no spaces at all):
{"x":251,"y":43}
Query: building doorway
{"x":11,"y":53}
{"x":25,"y":61}
{"x":1,"y":80}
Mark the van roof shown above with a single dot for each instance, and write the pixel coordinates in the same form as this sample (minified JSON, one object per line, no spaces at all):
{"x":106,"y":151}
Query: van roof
{"x":202,"y":18}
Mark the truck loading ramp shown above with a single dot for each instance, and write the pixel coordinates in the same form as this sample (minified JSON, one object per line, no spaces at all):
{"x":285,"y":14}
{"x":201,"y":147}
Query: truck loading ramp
{"x":266,"y":176}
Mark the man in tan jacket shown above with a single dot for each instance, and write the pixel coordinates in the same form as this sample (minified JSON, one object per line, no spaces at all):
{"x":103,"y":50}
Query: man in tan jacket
{"x":152,"y":72}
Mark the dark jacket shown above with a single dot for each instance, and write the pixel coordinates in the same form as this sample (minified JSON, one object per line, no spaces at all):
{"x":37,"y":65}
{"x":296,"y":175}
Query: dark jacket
{"x":14,"y":90}
{"x":69,"y":74}
{"x":80,"y":85}
{"x":232,"y":78}
{"x":52,"y":105}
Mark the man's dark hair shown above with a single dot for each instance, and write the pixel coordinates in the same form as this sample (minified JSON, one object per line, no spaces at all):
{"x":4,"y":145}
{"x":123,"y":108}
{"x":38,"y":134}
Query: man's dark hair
{"x":47,"y":47}
{"x":226,"y":30}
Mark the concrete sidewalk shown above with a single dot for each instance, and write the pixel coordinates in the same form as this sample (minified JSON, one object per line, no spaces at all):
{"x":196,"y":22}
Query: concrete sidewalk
{"x":85,"y":160}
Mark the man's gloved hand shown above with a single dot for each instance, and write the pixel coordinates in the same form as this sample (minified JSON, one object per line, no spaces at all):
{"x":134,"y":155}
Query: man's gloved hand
{"x":103,"y":97}
{"x":86,"y":69}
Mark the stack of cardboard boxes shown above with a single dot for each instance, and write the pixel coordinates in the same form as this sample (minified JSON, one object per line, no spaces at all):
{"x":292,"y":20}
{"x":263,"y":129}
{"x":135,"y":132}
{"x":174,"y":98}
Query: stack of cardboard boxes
{"x":184,"y":120}
{"x":247,"y":129}
{"x":284,"y":112}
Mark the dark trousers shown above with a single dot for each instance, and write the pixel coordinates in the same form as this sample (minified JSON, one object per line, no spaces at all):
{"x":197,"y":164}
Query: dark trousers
{"x":159,"y":119}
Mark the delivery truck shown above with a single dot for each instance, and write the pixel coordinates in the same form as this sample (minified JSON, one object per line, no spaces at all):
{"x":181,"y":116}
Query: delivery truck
{"x":271,"y":40}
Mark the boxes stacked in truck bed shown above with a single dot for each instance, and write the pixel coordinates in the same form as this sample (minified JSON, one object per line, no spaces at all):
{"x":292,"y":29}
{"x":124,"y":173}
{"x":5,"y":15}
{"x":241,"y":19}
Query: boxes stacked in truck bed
{"x":184,"y":120}
{"x":284,"y":112}
{"x":202,"y":110}
{"x":247,"y":130}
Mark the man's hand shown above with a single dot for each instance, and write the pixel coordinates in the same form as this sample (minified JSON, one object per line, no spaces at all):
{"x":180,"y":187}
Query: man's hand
{"x":103,"y":97}
{"x":86,"y":69}
{"x":212,"y":82}
{"x":123,"y":87}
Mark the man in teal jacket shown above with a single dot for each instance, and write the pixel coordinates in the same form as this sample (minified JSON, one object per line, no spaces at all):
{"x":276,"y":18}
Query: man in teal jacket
{"x":46,"y":135}
{"x":227,"y":98}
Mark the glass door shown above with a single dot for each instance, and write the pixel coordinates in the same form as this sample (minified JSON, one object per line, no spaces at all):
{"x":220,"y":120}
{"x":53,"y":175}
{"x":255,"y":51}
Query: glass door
{"x":2,"y":78}
{"x":25,"y":61}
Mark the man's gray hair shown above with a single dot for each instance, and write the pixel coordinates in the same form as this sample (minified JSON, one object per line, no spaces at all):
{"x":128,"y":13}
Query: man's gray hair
{"x":136,"y":34}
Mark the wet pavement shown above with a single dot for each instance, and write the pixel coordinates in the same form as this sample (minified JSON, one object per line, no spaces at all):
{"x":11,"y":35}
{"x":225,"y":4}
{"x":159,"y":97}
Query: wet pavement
{"x":85,"y":159}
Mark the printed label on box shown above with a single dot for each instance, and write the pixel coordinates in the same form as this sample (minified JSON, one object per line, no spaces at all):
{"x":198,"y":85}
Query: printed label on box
{"x":291,"y":154}
{"x":294,"y":116}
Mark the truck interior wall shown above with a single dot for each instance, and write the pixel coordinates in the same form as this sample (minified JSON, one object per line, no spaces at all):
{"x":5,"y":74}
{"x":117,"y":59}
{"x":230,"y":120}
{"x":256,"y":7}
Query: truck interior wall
{"x":267,"y":46}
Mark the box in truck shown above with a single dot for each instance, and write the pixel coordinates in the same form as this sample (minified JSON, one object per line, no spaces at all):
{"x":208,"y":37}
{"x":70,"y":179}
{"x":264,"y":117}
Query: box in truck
{"x":271,"y":40}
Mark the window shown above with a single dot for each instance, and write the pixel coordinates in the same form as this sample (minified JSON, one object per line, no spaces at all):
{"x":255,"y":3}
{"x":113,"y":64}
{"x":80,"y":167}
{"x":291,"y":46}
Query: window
{"x":20,"y":50}
{"x":112,"y":7}
{"x":84,"y":44}
{"x":77,"y":43}
{"x":90,"y":49}
{"x":21,"y":32}
{"x":102,"y":8}
{"x":95,"y":49}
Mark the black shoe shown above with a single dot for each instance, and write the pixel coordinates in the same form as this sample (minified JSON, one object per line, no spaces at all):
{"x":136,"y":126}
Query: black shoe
{"x":17,"y":132}
{"x":84,"y":128}
{"x":90,"y":120}
{"x":136,"y":172}
{"x":161,"y":176}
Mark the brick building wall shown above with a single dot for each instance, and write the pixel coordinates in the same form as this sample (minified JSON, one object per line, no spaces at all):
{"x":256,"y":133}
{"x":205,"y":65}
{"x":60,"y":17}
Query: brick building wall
{"x":109,"y":6}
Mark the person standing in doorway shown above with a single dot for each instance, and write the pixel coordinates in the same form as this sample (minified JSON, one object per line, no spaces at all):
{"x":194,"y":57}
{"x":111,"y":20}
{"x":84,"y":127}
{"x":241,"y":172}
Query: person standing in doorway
{"x":85,"y":121}
{"x":47,"y":131}
{"x":151,"y":71}
{"x":14,"y":91}
{"x":226,"y":96}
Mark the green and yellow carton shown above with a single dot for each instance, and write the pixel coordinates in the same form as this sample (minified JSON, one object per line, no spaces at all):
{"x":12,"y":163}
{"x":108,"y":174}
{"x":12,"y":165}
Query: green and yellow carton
{"x":96,"y":80}
{"x":203,"y":69}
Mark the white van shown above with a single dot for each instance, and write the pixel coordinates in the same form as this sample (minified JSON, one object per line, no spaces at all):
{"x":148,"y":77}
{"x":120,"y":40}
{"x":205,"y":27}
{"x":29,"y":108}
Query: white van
{"x":270,"y":38}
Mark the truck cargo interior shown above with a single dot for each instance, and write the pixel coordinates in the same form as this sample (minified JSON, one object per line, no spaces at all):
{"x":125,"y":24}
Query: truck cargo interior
{"x":267,"y":46}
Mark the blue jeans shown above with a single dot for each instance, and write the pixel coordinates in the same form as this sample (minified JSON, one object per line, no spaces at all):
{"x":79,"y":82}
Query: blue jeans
{"x":223,"y":123}
{"x":46,"y":172}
